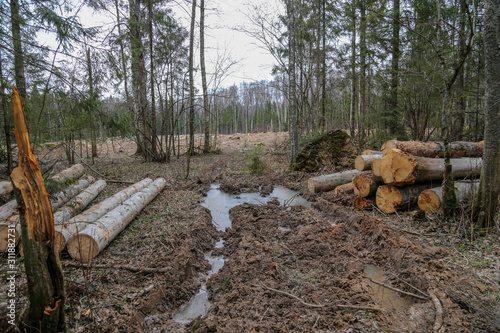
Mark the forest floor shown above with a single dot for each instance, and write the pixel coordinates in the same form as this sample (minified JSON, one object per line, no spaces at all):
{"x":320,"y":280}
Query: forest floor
{"x":316,"y":268}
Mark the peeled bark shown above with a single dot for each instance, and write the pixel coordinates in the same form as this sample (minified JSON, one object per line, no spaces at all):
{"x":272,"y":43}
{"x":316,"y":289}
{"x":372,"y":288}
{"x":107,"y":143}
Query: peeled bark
{"x":365,"y":162}
{"x":346,"y":189}
{"x":376,"y":167}
{"x":9,"y":218}
{"x":329,"y":182}
{"x":434,"y":149}
{"x":366,"y":184}
{"x":399,"y":168}
{"x":73,"y":172}
{"x":65,"y":231}
{"x":88,"y":243}
{"x":430,"y":200}
{"x":391,"y":198}
{"x":44,"y":274}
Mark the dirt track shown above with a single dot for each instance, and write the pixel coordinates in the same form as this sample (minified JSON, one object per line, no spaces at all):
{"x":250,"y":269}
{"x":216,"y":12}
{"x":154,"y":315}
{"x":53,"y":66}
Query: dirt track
{"x":287,"y":269}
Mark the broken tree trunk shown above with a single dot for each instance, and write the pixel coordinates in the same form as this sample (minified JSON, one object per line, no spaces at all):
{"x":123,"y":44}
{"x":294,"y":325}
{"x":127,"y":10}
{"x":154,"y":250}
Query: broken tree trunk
{"x":391,"y":198}
{"x":11,"y":221}
{"x":44,"y":274}
{"x":365,"y":162}
{"x":399,"y":168}
{"x":73,"y":172}
{"x":435,"y":149}
{"x":346,"y":189}
{"x":430,"y":200}
{"x":329,"y":182}
{"x":376,"y":167}
{"x":65,"y":231}
{"x":366,"y":184}
{"x":87,"y":244}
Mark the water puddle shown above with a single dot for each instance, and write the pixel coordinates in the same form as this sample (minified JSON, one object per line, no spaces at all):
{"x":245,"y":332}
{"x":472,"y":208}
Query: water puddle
{"x":387,"y":298}
{"x":219,"y":204}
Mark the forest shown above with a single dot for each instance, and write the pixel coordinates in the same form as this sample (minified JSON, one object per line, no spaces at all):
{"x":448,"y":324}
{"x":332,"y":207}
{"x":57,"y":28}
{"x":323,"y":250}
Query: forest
{"x":147,"y":184}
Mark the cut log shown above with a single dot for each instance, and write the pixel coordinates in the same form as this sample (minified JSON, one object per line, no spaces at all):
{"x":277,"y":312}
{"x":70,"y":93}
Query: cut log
{"x":87,"y":244}
{"x":435,"y":149}
{"x":346,"y":189}
{"x":399,"y":168}
{"x":11,"y":218}
{"x":376,"y":167}
{"x":329,"y":182}
{"x":371,"y":152}
{"x":430,"y":200}
{"x":360,"y":203}
{"x":65,"y":231}
{"x":391,"y":198}
{"x":365,"y":162}
{"x":5,"y":188}
{"x":366,"y":184}
{"x":73,"y":172}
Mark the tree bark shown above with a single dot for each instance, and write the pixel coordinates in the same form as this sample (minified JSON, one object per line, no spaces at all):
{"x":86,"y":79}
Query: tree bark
{"x":389,"y":199}
{"x":16,"y":21}
{"x":365,"y":162}
{"x":430,"y":200}
{"x":191,"y":90}
{"x":293,"y":122}
{"x":326,"y":183}
{"x":435,"y":149}
{"x":88,"y":243}
{"x":486,"y":205}
{"x":73,"y":172}
{"x":206,"y":106}
{"x":46,"y":292}
{"x":366,"y":184}
{"x":399,"y":168}
{"x":65,"y":231}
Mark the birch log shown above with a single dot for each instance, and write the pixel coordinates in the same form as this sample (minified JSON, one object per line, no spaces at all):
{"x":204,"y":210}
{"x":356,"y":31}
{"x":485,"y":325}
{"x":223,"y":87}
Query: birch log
{"x":366,"y":184}
{"x":9,"y":218}
{"x":75,"y":171}
{"x":329,"y":182}
{"x":364,"y":162}
{"x":399,"y":168}
{"x":88,"y":243}
{"x":430,"y":200}
{"x":433,"y":149}
{"x":65,"y":231}
{"x":5,"y":188}
{"x":389,"y":198}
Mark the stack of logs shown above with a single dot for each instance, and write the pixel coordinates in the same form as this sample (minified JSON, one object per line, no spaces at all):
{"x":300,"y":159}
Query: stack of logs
{"x":85,"y":232}
{"x":404,"y":174}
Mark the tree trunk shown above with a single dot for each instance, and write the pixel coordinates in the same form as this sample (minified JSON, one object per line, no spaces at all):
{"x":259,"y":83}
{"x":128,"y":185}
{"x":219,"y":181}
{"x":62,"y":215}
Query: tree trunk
{"x":293,"y":122}
{"x":206,"y":109}
{"x":5,"y":188}
{"x":91,"y":105}
{"x":87,"y":244}
{"x":486,"y":205}
{"x":326,"y":183}
{"x":6,"y":120}
{"x":73,"y":172}
{"x":43,"y":271}
{"x":57,"y":200}
{"x":65,"y":231}
{"x":391,"y":198}
{"x":394,"y":114}
{"x":365,"y":162}
{"x":366,"y":184}
{"x":154,"y":150}
{"x":435,"y":149}
{"x":191,"y":90}
{"x":16,"y":21}
{"x":399,"y":168}
{"x":430,"y":200}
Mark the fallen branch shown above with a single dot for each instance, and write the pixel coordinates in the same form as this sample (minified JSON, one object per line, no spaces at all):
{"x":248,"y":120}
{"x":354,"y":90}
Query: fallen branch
{"x":438,"y":322}
{"x":399,"y":290}
{"x":342,"y":306}
{"x":135,"y":269}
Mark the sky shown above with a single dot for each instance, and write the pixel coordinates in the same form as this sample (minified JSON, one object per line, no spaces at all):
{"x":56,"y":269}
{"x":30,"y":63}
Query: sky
{"x":222,"y":17}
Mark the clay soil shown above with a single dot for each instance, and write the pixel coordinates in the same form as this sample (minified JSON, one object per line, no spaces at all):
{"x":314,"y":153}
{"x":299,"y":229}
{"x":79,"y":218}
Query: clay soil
{"x":288,"y":269}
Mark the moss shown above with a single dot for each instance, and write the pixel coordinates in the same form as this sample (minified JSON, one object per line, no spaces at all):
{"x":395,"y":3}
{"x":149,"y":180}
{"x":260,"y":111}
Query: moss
{"x":326,"y":149}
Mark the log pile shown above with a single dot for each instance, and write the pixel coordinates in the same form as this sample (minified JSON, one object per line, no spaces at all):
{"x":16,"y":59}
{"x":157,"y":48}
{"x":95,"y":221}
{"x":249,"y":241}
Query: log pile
{"x":406,"y":174}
